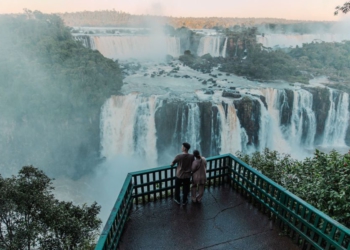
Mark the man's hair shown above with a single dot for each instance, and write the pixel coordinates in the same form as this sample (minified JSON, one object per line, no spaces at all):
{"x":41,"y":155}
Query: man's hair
{"x":186,"y":145}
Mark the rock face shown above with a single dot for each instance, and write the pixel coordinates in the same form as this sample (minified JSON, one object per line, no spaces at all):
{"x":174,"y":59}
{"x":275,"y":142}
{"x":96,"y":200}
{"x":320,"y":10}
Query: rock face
{"x":188,"y":40}
{"x":172,"y":121}
{"x":286,"y":107}
{"x":248,"y":112}
{"x":320,"y":106}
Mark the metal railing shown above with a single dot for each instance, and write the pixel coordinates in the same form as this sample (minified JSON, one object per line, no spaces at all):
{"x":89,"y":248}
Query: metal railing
{"x":306,"y":225}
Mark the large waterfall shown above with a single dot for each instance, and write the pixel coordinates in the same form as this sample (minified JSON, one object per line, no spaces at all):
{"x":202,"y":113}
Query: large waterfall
{"x":213,"y":45}
{"x":281,"y":119}
{"x":138,"y":47}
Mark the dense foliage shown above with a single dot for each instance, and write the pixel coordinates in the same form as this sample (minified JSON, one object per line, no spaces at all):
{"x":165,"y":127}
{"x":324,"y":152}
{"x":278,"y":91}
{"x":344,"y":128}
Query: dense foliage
{"x":345,"y":8}
{"x":245,"y":57}
{"x":322,"y":181}
{"x":51,"y":92}
{"x":31,"y":218}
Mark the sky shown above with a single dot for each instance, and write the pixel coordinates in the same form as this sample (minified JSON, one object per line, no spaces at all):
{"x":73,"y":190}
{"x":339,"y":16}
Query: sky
{"x":297,"y":9}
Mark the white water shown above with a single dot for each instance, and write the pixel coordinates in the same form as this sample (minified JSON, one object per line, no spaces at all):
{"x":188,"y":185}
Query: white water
{"x":223,"y":53}
{"x":128,"y":124}
{"x":274,"y":137}
{"x":211,"y":45}
{"x":128,"y":128}
{"x":293,"y":40}
{"x":337,"y":120}
{"x":138,"y":47}
{"x":302,"y":109}
{"x":192,"y":127}
{"x":231,"y":131}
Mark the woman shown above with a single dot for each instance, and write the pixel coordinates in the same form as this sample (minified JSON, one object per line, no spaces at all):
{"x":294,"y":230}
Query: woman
{"x":199,"y":177}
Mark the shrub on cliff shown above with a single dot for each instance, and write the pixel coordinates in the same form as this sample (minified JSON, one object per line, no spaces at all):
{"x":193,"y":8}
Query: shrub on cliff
{"x":322,"y":181}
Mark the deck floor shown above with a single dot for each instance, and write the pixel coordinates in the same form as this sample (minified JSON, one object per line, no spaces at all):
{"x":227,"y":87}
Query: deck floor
{"x":224,"y":220}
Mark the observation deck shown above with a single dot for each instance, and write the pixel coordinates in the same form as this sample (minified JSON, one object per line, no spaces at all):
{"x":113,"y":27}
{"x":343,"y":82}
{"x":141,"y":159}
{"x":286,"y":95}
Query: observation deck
{"x":241,"y":209}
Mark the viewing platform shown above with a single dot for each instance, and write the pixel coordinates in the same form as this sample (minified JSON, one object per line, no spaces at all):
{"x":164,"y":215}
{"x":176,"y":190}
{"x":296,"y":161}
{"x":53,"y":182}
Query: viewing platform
{"x":241,"y":209}
{"x":225,"y":220}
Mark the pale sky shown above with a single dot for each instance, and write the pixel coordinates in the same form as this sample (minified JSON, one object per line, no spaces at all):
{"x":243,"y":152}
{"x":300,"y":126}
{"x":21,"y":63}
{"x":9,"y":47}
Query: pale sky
{"x":288,"y":9}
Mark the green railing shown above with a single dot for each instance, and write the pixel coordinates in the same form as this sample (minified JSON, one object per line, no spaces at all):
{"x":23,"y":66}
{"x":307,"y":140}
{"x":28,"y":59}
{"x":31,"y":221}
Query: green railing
{"x":307,"y":226}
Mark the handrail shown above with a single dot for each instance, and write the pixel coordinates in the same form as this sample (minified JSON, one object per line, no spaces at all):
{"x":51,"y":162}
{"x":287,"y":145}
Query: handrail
{"x":303,"y":222}
{"x":111,"y":230}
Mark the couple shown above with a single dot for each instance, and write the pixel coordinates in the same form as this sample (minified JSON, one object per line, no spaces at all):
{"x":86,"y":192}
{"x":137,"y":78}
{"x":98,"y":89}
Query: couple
{"x":187,"y":165}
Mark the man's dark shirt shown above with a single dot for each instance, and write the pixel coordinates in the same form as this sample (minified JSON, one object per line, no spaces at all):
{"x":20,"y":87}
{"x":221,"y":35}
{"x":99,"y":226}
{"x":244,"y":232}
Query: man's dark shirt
{"x":184,"y":163}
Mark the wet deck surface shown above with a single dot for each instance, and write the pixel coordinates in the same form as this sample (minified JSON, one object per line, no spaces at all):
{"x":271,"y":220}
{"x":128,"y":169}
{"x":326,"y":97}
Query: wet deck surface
{"x":224,"y":220}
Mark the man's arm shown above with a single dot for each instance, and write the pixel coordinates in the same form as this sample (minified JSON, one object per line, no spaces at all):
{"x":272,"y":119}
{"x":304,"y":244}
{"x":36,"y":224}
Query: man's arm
{"x":174,"y":161}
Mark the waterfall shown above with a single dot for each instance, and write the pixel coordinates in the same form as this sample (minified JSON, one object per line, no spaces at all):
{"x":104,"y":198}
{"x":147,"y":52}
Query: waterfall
{"x":274,"y":137}
{"x":191,"y":126}
{"x":209,"y":45}
{"x":153,"y":128}
{"x":139,"y":47}
{"x":223,"y":54}
{"x":128,"y":128}
{"x":303,"y":123}
{"x":337,"y":119}
{"x":293,"y":40}
{"x":231,"y":134}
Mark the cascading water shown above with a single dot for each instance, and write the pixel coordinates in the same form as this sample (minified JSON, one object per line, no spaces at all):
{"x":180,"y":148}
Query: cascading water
{"x":337,"y":120}
{"x":303,"y":125}
{"x":231,"y":131}
{"x":139,"y":47}
{"x":274,"y":137}
{"x":154,"y":127}
{"x":127,"y":127}
{"x":211,"y":45}
{"x":293,"y":40}
{"x":223,"y":53}
{"x":191,"y":126}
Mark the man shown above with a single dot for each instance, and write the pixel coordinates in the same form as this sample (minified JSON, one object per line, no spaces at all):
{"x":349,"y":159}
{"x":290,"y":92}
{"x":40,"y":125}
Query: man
{"x":183,"y":173}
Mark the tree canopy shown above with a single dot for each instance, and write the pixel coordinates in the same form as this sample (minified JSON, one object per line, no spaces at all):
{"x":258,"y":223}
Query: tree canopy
{"x":345,"y":8}
{"x":31,"y":218}
{"x":51,"y":92}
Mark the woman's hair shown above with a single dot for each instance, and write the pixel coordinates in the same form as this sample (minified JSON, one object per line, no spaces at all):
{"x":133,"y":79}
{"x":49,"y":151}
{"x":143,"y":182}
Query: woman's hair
{"x":196,"y":154}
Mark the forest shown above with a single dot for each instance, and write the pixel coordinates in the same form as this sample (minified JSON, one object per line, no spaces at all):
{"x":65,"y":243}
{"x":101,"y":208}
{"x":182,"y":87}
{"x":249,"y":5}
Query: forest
{"x":245,"y":57}
{"x":51,"y":92}
{"x":113,"y":18}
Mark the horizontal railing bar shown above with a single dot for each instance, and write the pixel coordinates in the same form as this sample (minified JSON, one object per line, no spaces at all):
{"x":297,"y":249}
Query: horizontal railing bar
{"x":151,"y":170}
{"x":153,"y":192}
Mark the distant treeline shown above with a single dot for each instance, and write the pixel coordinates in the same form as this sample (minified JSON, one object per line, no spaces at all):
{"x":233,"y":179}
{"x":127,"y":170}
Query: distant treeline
{"x":246,"y":57}
{"x":51,"y":92}
{"x":113,"y":18}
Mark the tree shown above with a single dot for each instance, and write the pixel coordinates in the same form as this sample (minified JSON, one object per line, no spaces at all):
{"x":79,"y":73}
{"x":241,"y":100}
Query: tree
{"x":31,"y":218}
{"x":345,"y":8}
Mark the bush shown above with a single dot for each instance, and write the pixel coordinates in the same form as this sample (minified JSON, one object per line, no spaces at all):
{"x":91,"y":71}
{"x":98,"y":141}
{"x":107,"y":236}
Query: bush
{"x":322,"y":181}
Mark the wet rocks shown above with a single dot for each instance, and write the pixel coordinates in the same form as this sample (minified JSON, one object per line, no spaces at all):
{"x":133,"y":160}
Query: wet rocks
{"x":231,"y":94}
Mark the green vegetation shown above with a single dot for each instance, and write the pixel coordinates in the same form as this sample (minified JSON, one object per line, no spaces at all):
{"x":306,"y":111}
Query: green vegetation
{"x":322,"y":181}
{"x":345,"y":8}
{"x":245,"y":57}
{"x":51,"y":92}
{"x":31,"y":218}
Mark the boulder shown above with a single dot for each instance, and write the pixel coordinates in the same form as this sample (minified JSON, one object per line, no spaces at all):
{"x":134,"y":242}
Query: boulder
{"x":231,"y":94}
{"x":209,"y":92}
